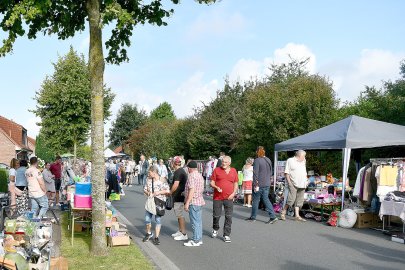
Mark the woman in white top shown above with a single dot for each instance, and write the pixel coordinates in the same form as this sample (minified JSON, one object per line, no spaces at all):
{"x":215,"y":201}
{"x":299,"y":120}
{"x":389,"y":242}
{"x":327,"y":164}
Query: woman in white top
{"x":14,"y":164}
{"x":162,"y":169}
{"x":49,"y":182}
{"x":247,"y":182}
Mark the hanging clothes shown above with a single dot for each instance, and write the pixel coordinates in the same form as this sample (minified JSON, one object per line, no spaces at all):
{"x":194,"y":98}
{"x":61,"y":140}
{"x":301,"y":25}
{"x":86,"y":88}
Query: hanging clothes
{"x":388,"y":175}
{"x":383,"y":190}
{"x":356,"y":190}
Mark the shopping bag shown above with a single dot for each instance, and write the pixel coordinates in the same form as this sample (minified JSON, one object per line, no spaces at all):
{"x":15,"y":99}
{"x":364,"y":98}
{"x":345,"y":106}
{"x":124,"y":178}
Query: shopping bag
{"x":150,"y":205}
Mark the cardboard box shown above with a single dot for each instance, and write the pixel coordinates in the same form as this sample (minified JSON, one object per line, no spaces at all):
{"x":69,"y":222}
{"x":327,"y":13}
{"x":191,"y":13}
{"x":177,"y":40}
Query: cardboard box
{"x":365,"y":220}
{"x":78,"y":227}
{"x":119,"y":241}
{"x":60,"y":263}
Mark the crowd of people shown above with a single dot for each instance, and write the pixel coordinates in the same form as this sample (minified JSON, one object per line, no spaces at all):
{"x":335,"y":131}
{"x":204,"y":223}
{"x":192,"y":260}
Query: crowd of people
{"x":41,"y":187}
{"x":188,"y":184}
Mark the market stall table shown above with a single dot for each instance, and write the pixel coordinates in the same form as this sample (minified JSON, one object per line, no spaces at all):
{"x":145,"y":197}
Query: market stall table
{"x":393,"y":208}
{"x":76,"y":214}
{"x":323,"y":206}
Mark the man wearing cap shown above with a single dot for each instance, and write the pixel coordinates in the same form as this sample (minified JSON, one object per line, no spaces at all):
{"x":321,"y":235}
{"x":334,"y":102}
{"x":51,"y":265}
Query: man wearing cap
{"x":224,"y":181}
{"x":194,"y":203}
{"x":177,"y":191}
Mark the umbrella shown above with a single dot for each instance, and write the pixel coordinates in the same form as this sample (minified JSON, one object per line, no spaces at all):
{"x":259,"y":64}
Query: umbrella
{"x":66,"y":155}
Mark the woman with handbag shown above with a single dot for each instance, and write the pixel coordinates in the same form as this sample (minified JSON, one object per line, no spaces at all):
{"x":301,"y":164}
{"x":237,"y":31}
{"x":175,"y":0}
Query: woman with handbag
{"x":156,"y":189}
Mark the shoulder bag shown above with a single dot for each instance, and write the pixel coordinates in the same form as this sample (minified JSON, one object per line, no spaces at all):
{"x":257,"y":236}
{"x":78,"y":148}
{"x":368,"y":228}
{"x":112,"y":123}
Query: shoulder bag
{"x":160,"y":204}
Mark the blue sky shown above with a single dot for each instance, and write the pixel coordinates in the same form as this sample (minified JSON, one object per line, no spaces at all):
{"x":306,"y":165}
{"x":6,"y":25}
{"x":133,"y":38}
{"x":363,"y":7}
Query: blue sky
{"x":354,"y":43}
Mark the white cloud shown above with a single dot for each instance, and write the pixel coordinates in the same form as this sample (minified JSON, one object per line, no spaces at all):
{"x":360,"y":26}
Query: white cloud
{"x":246,"y":69}
{"x":370,"y":68}
{"x":217,"y":23}
{"x":192,"y":93}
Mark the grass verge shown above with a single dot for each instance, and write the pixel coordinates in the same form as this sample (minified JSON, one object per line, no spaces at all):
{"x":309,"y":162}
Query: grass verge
{"x":79,"y":257}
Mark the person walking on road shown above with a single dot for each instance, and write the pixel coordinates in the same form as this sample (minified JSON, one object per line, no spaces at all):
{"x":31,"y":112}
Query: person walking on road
{"x":56,"y":170}
{"x":224,"y":181}
{"x":296,"y":176}
{"x":194,"y":203}
{"x":262,"y":171}
{"x":143,"y":170}
{"x":177,"y":190}
{"x":160,"y":190}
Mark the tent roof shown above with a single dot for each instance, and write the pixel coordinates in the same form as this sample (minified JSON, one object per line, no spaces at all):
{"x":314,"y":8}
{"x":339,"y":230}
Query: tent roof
{"x":351,"y":132}
{"x":109,"y":153}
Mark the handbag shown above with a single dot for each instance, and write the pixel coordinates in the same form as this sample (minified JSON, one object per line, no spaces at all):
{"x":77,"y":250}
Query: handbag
{"x":160,"y":205}
{"x":150,"y":205}
{"x":169,"y":202}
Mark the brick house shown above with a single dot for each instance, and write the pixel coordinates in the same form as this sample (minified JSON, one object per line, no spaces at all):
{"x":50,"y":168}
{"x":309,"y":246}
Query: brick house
{"x":14,"y":141}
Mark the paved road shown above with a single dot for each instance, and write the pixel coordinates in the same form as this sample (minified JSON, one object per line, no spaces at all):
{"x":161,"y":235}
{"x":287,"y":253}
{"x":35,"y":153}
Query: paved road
{"x":283,"y":245}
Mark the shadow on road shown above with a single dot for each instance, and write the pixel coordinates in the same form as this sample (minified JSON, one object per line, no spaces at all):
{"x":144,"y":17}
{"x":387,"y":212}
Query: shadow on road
{"x":373,"y":251}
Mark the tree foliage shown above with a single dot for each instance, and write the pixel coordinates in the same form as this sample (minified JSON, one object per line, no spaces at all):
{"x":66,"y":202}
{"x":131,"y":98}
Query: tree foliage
{"x":64,"y":18}
{"x":129,"y":117}
{"x":163,"y":112}
{"x":64,"y":100}
{"x":42,"y":150}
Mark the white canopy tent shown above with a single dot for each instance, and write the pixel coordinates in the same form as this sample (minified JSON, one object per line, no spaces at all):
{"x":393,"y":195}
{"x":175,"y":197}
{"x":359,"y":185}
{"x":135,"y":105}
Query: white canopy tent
{"x":350,"y":133}
{"x":109,"y":153}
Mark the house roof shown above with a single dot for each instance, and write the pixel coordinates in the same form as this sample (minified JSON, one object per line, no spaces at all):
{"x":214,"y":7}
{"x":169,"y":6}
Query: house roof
{"x":32,"y":141}
{"x":118,"y":150}
{"x":13,"y":131}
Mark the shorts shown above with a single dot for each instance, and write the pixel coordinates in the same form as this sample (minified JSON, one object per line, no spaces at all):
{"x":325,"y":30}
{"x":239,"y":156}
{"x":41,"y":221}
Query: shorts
{"x":58,"y":183}
{"x":295,"y":196}
{"x":148,"y":219}
{"x":178,"y":209}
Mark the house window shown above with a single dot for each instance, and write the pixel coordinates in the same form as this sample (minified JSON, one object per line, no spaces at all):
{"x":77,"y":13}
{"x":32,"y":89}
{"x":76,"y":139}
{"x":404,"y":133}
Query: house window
{"x":24,"y":137}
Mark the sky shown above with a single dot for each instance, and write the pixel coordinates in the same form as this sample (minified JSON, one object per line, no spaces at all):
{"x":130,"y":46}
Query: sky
{"x":353,"y":43}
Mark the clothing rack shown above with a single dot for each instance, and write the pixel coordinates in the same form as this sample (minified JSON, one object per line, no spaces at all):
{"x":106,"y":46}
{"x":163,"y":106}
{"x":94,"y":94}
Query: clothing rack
{"x":386,"y":160}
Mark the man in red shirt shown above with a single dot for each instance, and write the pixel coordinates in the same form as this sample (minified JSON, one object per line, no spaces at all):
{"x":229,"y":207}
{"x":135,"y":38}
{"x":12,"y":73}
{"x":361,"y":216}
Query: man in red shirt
{"x":56,"y":169}
{"x":224,"y":181}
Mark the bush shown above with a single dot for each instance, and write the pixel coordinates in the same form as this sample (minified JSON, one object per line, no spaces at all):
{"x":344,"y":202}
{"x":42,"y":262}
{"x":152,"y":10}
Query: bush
{"x":3,"y":180}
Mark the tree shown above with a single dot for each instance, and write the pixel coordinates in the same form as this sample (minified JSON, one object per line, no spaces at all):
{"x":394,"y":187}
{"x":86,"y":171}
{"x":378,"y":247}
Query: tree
{"x":66,"y":17}
{"x":163,"y":112}
{"x":42,"y":150}
{"x":129,"y":117}
{"x":64,"y":101}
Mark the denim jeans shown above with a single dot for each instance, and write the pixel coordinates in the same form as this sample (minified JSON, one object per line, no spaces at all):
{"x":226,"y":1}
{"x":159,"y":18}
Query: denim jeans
{"x":43,"y":203}
{"x":217,"y":212}
{"x":263,"y":194}
{"x":148,"y":219}
{"x":195,"y":213}
{"x":141,"y":179}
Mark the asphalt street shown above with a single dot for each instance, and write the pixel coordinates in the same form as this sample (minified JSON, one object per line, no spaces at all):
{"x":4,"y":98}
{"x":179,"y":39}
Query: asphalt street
{"x":283,"y":245}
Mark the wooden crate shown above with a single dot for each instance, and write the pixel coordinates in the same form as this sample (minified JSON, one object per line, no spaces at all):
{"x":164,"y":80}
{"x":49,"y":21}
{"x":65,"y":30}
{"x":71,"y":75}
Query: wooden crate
{"x":365,"y":220}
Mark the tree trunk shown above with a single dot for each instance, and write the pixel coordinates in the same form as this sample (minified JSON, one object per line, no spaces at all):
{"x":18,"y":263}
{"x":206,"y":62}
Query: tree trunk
{"x":75,"y":151}
{"x":96,"y":67}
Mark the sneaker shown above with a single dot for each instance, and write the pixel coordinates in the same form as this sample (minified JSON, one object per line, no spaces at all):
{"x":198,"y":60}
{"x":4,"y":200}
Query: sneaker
{"x":272,"y":220}
{"x":181,"y":237}
{"x":245,"y":205}
{"x":156,"y":241}
{"x":178,"y":233}
{"x":250,"y":219}
{"x":249,"y":206}
{"x":214,"y":234}
{"x":147,"y":237}
{"x":227,"y":239}
{"x":130,"y":185}
{"x":191,"y":243}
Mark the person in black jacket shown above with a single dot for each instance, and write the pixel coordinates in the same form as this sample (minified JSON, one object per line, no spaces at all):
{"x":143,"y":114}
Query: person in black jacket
{"x":262,"y":171}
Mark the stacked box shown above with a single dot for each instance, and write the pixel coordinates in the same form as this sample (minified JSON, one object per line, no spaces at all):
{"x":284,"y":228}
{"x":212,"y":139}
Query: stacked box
{"x":82,"y":201}
{"x":83,"y":188}
{"x":365,"y":220}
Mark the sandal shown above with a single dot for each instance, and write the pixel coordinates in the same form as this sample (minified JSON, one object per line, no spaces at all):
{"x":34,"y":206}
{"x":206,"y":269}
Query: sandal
{"x":300,"y":219}
{"x":282,"y":215}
